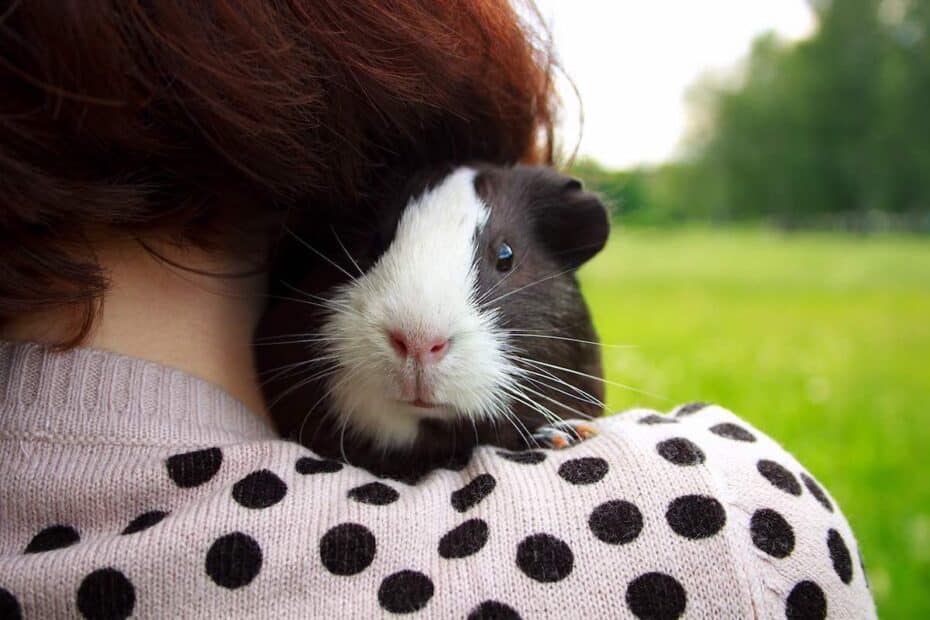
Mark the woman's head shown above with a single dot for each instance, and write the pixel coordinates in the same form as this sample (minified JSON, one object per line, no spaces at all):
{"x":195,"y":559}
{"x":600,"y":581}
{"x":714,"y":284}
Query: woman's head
{"x":208,"y":121}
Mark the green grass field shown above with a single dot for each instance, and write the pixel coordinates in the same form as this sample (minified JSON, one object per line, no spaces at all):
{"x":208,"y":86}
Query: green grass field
{"x":823,"y":341}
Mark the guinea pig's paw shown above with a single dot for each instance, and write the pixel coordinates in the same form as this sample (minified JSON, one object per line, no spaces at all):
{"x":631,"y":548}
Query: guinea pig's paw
{"x":564,"y":434}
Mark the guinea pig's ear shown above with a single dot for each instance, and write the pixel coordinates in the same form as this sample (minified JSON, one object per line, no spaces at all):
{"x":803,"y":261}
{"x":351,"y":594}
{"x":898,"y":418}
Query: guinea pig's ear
{"x":573,"y":224}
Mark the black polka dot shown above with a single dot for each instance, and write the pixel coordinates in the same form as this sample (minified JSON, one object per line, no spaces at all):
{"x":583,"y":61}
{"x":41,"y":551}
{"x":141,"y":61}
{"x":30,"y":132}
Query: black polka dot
{"x":194,"y":468}
{"x":780,"y":477}
{"x":586,"y":470}
{"x":771,"y":533}
{"x":806,"y":602}
{"x":690,"y":408}
{"x":732,"y":431}
{"x":307,"y":465}
{"x":376,"y":493}
{"x":657,"y":419}
{"x":347,"y":549}
{"x":493,"y":610}
{"x":9,"y":606}
{"x":260,"y":489}
{"x":817,"y":492}
{"x":106,"y":594}
{"x":464,"y":540}
{"x":473,"y":492}
{"x":616,"y":522}
{"x":545,"y":558}
{"x":405,"y":592}
{"x":144,"y":521}
{"x":839,"y":555}
{"x":696,"y":516}
{"x":656,"y":596}
{"x":530,"y":457}
{"x":53,"y":537}
{"x":234,"y":560}
{"x":680,"y":451}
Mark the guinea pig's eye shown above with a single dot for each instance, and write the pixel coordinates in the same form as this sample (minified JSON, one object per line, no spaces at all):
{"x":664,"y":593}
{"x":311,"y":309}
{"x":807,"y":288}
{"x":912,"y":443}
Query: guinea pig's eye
{"x":504,"y":257}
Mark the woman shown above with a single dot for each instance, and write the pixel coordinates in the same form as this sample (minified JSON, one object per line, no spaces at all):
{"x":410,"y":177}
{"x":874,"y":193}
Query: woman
{"x":149,"y":156}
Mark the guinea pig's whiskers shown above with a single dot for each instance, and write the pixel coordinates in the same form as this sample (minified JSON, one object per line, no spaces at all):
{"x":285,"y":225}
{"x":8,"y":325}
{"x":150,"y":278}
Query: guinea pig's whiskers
{"x":520,"y":427}
{"x":560,"y":404}
{"x":327,"y":413}
{"x":474,"y":426}
{"x":274,"y":373}
{"x":524,"y":393}
{"x":527,"y":334}
{"x":328,"y":361}
{"x":339,"y":241}
{"x":323,"y":303}
{"x":537,"y":363}
{"x":349,"y":375}
{"x":526,"y":286}
{"x":318,"y":253}
{"x":310,"y":360}
{"x":294,"y":339}
{"x":325,"y":300}
{"x":299,"y":384}
{"x":488,"y":292}
{"x":328,"y":303}
{"x":288,"y":373}
{"x":342,"y":440}
{"x":518,"y":390}
{"x":541,"y":409}
{"x":581,"y":395}
{"x":500,"y":410}
{"x":283,"y":372}
{"x":520,"y":396}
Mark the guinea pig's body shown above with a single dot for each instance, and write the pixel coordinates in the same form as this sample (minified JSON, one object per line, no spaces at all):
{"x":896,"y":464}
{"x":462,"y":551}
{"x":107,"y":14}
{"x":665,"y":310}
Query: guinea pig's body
{"x":457,"y":320}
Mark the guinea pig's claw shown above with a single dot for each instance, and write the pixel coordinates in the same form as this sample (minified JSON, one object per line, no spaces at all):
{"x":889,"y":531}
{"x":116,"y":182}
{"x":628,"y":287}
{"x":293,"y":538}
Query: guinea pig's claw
{"x":564,"y":434}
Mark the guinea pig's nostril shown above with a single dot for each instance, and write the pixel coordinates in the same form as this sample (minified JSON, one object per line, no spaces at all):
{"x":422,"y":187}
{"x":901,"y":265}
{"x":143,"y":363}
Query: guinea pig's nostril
{"x":399,"y":342}
{"x":414,"y":346}
{"x":438,"y":349}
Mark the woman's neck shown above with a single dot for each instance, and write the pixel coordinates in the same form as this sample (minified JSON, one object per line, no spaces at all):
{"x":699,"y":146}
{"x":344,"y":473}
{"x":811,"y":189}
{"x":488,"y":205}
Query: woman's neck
{"x":152,"y":310}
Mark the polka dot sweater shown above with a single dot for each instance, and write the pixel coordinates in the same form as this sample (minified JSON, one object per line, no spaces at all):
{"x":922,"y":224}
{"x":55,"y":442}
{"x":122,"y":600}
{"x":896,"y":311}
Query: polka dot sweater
{"x":132,"y":489}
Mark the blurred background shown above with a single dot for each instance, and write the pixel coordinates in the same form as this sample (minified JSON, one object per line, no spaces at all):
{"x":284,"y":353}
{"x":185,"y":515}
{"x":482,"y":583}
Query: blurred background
{"x":768,"y":167}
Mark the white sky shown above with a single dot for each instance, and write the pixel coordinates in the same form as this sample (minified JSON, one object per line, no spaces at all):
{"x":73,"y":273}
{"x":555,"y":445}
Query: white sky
{"x":633,"y":60}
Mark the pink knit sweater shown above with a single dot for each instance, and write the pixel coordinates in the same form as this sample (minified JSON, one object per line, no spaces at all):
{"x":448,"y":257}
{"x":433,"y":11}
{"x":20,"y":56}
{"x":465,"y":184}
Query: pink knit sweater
{"x":133,"y":489}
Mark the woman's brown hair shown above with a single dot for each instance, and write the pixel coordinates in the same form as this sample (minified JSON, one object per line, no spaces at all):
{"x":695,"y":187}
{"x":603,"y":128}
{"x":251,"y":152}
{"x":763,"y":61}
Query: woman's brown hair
{"x":203,"y":117}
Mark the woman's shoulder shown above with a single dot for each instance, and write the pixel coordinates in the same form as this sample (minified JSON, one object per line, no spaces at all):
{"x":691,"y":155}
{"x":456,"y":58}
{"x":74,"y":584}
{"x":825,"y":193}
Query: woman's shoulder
{"x":696,"y":513}
{"x":692,"y":511}
{"x":786,"y":533}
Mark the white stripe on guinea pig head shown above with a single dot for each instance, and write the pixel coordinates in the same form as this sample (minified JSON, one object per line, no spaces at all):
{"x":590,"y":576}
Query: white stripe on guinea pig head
{"x":423,"y":290}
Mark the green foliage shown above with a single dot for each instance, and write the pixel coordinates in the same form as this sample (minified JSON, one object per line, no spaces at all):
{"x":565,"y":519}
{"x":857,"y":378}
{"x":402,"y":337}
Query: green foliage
{"x":821,"y":340}
{"x":830,"y":131}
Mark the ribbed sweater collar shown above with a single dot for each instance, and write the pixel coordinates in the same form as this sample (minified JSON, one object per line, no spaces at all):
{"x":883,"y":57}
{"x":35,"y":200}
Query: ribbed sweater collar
{"x":87,"y":395}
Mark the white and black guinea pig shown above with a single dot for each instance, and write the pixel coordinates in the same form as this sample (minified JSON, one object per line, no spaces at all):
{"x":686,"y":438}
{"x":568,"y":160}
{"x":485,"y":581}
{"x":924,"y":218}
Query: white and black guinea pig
{"x":448,"y":317}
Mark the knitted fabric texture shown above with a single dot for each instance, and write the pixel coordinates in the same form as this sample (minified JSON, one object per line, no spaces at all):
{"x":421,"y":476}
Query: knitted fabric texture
{"x":133,"y":489}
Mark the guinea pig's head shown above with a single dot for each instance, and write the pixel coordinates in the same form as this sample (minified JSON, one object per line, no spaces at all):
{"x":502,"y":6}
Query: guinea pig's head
{"x":472,"y":314}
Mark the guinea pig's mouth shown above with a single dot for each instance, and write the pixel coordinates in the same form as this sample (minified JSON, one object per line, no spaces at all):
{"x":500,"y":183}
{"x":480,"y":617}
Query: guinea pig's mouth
{"x":425,"y":407}
{"x":419,"y":403}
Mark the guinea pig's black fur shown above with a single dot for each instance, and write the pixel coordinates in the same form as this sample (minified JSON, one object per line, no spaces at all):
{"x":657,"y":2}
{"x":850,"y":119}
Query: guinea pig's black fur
{"x":552,"y":226}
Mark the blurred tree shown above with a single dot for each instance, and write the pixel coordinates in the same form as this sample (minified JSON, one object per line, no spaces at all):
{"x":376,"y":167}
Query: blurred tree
{"x":830,"y":130}
{"x":903,"y":137}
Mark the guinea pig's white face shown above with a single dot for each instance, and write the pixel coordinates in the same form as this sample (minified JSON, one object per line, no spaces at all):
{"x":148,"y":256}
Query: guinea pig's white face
{"x":411,"y":340}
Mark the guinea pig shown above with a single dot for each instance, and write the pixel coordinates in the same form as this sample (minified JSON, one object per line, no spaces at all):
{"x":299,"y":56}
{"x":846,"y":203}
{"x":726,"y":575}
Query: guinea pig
{"x":449,"y":317}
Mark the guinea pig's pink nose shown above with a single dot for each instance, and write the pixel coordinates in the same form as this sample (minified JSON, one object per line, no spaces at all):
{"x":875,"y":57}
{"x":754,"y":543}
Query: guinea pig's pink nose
{"x":424,"y":350}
